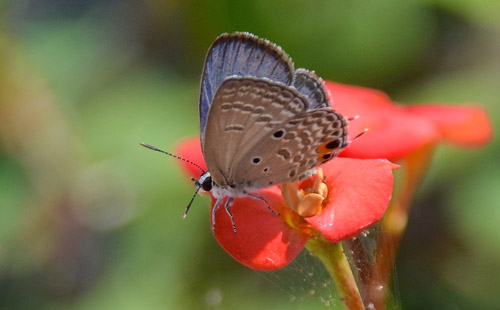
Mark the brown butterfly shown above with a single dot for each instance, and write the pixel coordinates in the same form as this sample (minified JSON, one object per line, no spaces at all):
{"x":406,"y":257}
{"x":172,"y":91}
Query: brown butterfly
{"x":261,"y":121}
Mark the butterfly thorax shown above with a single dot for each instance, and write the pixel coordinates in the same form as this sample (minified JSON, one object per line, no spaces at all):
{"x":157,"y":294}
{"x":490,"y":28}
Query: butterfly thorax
{"x":220,"y":192}
{"x":207,"y":183}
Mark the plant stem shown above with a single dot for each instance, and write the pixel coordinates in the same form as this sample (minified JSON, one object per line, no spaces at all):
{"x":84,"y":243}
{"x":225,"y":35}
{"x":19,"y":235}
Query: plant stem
{"x":333,"y":257}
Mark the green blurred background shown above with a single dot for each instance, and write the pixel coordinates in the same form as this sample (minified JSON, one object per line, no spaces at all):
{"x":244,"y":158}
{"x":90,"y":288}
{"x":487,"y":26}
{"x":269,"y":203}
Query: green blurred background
{"x":90,"y":220}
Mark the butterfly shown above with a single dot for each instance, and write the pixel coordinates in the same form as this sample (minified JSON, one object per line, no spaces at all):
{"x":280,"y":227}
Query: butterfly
{"x":262,"y":122}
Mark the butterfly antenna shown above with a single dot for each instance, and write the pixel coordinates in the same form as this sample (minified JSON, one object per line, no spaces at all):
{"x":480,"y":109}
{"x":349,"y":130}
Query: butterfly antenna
{"x":191,"y":202}
{"x":350,"y":119}
{"x":173,"y":155}
{"x":360,"y":134}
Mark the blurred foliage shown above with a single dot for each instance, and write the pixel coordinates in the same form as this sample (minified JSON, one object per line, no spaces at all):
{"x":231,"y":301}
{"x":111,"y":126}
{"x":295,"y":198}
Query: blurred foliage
{"x":90,"y":220}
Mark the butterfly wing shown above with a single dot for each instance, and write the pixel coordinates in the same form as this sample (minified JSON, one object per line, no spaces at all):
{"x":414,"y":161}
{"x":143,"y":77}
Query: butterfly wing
{"x":243,"y":112}
{"x":240,"y":54}
{"x":312,"y":87}
{"x":289,"y":150}
{"x":262,"y":132}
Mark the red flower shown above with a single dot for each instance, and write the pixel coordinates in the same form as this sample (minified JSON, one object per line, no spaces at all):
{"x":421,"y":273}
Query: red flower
{"x":407,"y":134}
{"x":359,"y":192}
{"x":397,"y":130}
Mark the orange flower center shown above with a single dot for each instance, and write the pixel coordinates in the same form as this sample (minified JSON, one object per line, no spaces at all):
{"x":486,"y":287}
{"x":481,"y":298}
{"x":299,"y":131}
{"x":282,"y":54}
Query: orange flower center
{"x":306,"y":202}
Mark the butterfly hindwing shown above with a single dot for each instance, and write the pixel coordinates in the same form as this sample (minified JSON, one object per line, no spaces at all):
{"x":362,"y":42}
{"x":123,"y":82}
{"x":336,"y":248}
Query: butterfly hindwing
{"x":240,"y":54}
{"x":312,"y":87}
{"x":292,"y":148}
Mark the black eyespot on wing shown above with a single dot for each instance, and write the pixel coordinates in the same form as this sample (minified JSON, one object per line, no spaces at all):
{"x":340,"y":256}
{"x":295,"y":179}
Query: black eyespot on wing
{"x":278,"y":134}
{"x":333,"y":144}
{"x":266,"y":169}
{"x":326,"y":156}
{"x":256,"y":160}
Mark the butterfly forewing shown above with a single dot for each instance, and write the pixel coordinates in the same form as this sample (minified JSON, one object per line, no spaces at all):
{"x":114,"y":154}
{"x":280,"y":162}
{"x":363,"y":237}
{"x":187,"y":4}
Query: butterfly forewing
{"x":240,"y":54}
{"x":243,"y":115}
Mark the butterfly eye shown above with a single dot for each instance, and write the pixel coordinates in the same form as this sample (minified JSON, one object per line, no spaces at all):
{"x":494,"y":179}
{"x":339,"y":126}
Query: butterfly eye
{"x":207,"y":184}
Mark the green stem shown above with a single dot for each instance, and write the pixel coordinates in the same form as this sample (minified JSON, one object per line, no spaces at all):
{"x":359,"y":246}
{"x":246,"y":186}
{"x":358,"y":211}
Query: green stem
{"x":333,"y":257}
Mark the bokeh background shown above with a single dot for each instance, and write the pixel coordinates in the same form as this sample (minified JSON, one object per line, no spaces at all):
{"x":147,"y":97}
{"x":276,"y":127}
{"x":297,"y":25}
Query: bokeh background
{"x":90,"y":220}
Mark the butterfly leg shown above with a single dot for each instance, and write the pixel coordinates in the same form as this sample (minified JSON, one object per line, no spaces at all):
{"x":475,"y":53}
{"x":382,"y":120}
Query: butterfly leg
{"x":229,"y":203}
{"x":264,"y":200}
{"x":216,"y":206}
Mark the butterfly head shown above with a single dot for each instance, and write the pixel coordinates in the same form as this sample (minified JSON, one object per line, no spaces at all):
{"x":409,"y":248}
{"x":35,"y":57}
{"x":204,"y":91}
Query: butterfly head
{"x":205,"y":181}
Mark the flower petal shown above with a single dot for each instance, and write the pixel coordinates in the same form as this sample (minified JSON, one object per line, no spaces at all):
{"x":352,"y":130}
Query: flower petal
{"x":392,"y":132}
{"x":343,"y":95}
{"x":459,"y":125}
{"x":359,"y":193}
{"x":263,"y":241}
